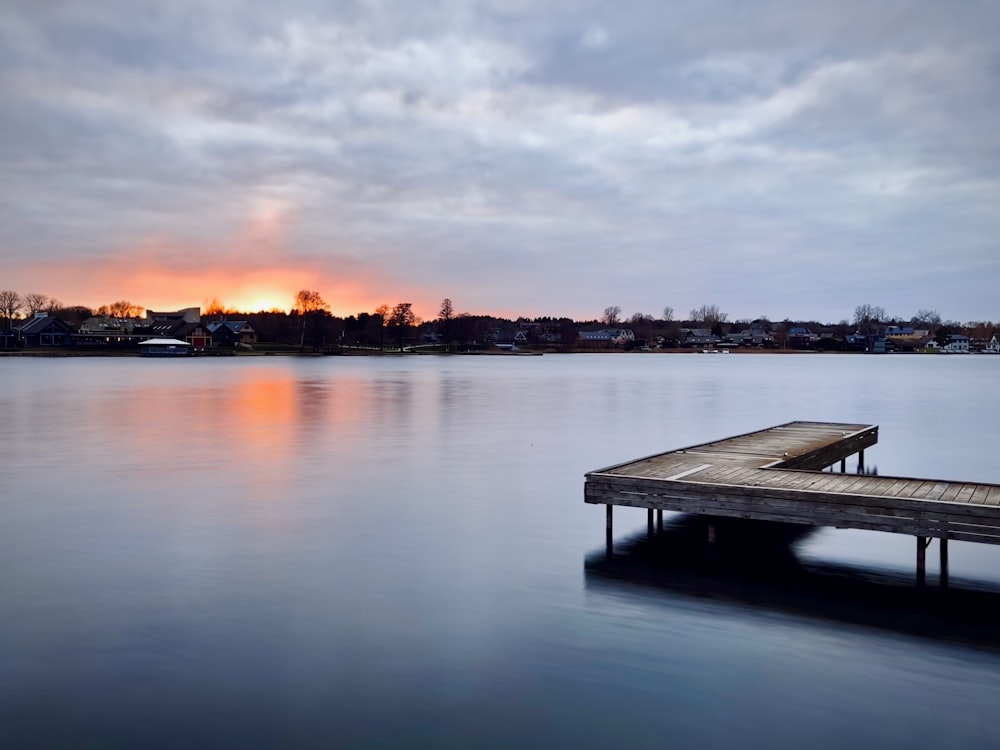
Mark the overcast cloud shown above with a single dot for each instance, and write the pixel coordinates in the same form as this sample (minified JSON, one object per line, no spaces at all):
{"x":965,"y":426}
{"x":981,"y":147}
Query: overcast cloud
{"x":775,"y":158}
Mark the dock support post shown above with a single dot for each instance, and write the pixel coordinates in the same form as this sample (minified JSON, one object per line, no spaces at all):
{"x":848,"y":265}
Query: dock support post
{"x":843,"y":465}
{"x":659,"y":519}
{"x":944,"y":563}
{"x":607,"y":530}
{"x":921,"y":560}
{"x":649,"y":523}
{"x":861,"y":461}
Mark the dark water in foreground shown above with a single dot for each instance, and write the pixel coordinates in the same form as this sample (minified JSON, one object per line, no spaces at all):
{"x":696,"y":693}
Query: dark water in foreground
{"x":395,"y":552}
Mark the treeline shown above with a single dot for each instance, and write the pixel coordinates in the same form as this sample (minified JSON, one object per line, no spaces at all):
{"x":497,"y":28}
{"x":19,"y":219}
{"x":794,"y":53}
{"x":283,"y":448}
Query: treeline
{"x":310,"y":324}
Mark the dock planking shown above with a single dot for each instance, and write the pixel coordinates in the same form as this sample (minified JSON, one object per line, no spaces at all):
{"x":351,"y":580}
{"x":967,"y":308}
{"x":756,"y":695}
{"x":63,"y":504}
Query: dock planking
{"x":777,"y":474}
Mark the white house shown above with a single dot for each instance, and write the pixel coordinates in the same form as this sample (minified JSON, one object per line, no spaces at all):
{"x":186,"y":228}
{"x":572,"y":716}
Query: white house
{"x":608,"y":335}
{"x":957,"y":344}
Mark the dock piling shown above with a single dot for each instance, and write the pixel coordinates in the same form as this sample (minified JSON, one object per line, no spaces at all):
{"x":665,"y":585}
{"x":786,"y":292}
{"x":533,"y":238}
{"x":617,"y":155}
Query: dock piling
{"x":608,"y":531}
{"x":921,"y":560}
{"x":944,"y":563}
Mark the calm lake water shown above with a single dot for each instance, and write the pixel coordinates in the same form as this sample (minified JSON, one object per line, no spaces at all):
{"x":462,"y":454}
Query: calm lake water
{"x":395,"y":552}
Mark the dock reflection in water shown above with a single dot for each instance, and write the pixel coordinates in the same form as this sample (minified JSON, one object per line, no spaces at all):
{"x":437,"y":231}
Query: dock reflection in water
{"x":754,"y":563}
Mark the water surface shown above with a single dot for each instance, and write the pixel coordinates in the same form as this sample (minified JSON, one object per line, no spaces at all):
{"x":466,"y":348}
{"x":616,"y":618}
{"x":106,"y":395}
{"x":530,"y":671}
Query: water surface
{"x":395,"y":552}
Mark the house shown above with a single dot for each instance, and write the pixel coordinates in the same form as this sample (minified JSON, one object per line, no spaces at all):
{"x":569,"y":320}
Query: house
{"x":199,"y":338}
{"x":107,"y":332}
{"x":612,"y":336}
{"x":184,"y":325}
{"x":126,"y":333}
{"x":104,"y":325}
{"x":899,"y":331}
{"x":993,"y":347}
{"x":186,"y":315}
{"x":697,"y":337}
{"x":499,"y":338}
{"x":45,"y":330}
{"x":10,"y":339}
{"x":751,"y":337}
{"x":957,"y":344}
{"x":800,"y":337}
{"x":232,"y":332}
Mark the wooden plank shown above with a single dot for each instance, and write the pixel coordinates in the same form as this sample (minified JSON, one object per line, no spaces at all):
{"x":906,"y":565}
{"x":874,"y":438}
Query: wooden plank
{"x":687,"y":472}
{"x":858,"y":484}
{"x":898,"y":486}
{"x":694,"y":492}
{"x":918,"y":489}
{"x":965,"y":493}
{"x":952,"y":492}
{"x":872,"y":521}
{"x":796,"y":480}
{"x":830,"y":482}
{"x":979,"y":495}
{"x":736,"y":476}
{"x":938,"y":490}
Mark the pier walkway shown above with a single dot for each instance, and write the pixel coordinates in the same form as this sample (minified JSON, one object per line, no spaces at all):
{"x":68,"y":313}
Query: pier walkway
{"x":778,"y":474}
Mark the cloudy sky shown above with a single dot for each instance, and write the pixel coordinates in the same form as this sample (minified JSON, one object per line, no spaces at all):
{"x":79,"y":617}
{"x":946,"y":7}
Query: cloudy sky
{"x":780,"y":158}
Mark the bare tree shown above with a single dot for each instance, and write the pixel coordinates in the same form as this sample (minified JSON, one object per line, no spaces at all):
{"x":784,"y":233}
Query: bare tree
{"x":927,"y":317}
{"x":307,"y":301}
{"x":709,"y":315}
{"x":10,"y":305}
{"x":865,"y":315}
{"x":668,"y":314}
{"x":446,"y":314}
{"x":214,"y":307}
{"x":382,"y":311}
{"x":35,"y":302}
{"x":866,"y":319}
{"x":642,"y":325}
{"x":75,"y":314}
{"x":611,"y":315}
{"x":402,"y":318}
{"x":310,"y":306}
{"x":123,"y":309}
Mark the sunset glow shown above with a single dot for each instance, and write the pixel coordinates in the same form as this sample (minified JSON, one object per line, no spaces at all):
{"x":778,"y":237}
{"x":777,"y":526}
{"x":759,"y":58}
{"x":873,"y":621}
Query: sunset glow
{"x":150,"y":282}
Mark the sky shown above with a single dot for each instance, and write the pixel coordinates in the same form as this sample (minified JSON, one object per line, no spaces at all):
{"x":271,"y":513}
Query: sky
{"x":775,"y":158}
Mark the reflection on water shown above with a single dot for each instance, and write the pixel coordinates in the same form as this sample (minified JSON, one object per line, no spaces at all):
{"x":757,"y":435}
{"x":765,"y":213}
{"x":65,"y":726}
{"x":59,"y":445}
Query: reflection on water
{"x":754,"y":563}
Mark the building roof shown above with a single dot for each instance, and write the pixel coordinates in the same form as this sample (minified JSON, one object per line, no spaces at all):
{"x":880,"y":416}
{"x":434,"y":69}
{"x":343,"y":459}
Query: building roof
{"x":236,"y":326}
{"x":164,"y":342}
{"x":42,"y":323}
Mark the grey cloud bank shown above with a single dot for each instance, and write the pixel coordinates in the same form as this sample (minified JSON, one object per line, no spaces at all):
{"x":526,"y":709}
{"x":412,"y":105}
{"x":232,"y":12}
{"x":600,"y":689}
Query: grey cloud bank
{"x":776,"y":158}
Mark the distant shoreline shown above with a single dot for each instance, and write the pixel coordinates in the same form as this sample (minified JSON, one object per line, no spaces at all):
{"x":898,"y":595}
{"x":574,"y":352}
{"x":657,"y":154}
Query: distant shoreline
{"x":68,"y":354}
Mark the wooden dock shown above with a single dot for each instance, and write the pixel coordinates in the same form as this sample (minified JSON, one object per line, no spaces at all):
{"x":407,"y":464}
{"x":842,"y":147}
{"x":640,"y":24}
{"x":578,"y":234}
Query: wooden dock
{"x":778,"y":474}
